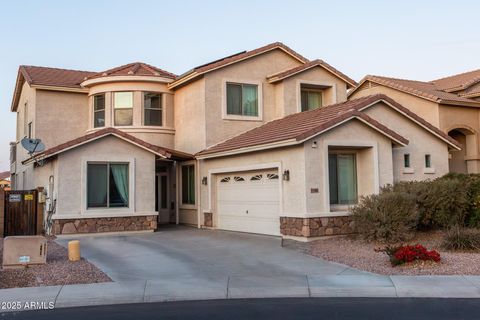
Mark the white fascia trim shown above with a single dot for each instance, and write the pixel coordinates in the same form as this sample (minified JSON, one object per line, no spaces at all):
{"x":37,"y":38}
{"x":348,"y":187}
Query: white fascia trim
{"x":132,"y":78}
{"x":58,"y":88}
{"x":284,"y":143}
{"x":99,"y":137}
{"x":412,"y":119}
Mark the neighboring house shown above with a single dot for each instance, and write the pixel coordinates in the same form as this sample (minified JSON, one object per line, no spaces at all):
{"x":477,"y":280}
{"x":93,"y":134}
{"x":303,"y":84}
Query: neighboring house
{"x":262,"y":141}
{"x":5,"y":180}
{"x":451,"y":104}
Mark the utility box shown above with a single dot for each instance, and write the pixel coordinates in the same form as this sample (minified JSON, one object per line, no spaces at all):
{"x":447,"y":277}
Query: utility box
{"x":21,"y":251}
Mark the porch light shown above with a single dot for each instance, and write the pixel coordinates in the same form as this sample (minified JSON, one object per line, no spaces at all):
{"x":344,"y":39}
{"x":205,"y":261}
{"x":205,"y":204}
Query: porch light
{"x":286,"y":175}
{"x":204,"y":181}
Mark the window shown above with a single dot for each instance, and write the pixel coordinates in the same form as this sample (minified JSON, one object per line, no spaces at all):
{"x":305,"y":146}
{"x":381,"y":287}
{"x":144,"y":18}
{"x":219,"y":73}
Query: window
{"x":406,"y":160}
{"x":342,"y":178}
{"x":311,"y":99}
{"x":29,"y":130}
{"x":98,"y":110}
{"x":188,"y":184}
{"x":428,"y":161}
{"x":242,"y":99}
{"x":107,"y":185}
{"x":123,"y":108}
{"x":152,"y":105}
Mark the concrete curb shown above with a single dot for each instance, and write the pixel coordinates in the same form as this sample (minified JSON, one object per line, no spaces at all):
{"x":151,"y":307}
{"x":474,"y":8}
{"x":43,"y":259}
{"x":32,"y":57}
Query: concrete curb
{"x":239,"y":287}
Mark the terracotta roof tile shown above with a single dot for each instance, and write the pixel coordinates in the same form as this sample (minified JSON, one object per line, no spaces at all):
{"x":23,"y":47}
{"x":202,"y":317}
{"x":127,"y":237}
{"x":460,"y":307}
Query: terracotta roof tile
{"x":458,"y":81}
{"x":134,"y":69}
{"x":300,"y":126}
{"x":426,"y":90}
{"x":197,"y":71}
{"x":165,"y":152}
{"x":4,"y":175}
{"x":287,"y":73}
{"x":53,"y":76}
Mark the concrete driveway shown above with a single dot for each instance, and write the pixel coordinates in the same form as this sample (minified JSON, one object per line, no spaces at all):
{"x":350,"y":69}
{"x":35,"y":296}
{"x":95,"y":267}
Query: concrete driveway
{"x":183,"y":252}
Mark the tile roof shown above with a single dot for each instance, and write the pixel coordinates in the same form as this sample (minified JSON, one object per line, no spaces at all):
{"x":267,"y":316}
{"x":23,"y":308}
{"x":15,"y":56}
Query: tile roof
{"x":134,"y":69}
{"x":426,"y":90}
{"x":290,"y":72}
{"x":303,"y":125}
{"x":4,"y":175}
{"x":197,"y":71}
{"x":458,"y":81}
{"x":53,"y":76}
{"x":163,"y":152}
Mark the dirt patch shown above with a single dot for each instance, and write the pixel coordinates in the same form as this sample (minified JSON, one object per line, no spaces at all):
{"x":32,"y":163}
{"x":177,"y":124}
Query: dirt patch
{"x":58,"y":271}
{"x":359,"y":254}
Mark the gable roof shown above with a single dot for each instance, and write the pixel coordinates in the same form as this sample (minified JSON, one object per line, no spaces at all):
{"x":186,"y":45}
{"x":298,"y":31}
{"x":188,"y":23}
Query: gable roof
{"x":298,"y":127}
{"x":45,"y":76}
{"x":457,"y":82}
{"x":301,"y":126}
{"x":134,"y":69}
{"x":314,"y":63}
{"x":220,"y":63}
{"x":160,"y":151}
{"x":425,"y":90}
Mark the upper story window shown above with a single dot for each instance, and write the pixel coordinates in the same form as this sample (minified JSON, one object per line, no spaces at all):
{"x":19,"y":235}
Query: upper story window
{"x":428,"y":161}
{"x":98,"y":110}
{"x":123,"y":108}
{"x":152,"y":105}
{"x":406,"y":160}
{"x":311,"y":98}
{"x":242,"y":99}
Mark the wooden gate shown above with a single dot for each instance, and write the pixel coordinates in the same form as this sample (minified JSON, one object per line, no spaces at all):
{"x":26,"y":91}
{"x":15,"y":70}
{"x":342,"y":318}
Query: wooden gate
{"x":20,"y":212}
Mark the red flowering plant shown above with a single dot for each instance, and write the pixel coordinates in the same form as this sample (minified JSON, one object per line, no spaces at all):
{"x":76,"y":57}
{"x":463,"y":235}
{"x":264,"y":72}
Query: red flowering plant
{"x":409,"y":253}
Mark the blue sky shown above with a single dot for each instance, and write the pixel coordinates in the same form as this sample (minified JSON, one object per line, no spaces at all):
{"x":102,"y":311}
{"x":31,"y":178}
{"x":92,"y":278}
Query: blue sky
{"x":420,"y":40}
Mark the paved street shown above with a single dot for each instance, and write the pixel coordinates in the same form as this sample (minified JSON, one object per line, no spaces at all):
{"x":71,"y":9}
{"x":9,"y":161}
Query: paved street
{"x":326,"y":308}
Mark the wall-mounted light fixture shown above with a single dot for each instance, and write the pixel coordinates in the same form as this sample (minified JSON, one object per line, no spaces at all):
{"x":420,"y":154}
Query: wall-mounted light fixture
{"x":204,"y":181}
{"x":286,"y":175}
{"x":314,"y":144}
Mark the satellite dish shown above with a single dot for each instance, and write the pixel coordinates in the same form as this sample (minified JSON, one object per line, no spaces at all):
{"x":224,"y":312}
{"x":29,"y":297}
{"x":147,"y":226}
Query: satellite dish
{"x":32,"y":145}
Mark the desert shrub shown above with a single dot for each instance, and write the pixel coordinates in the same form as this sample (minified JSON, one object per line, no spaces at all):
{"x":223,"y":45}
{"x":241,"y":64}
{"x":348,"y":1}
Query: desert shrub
{"x":389,"y":216}
{"x":462,"y":239}
{"x":405,"y":254}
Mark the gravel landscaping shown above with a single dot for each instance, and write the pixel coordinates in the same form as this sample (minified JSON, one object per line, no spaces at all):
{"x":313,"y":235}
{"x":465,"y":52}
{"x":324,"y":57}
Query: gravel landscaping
{"x":58,"y":271}
{"x":359,"y":254}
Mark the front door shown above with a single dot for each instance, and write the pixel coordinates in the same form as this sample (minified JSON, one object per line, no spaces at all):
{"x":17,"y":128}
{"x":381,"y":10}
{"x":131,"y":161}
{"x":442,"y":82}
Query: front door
{"x":162,"y":197}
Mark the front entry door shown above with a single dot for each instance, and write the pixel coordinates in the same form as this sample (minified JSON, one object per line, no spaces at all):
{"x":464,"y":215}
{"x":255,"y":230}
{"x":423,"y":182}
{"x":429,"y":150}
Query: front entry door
{"x":161,"y":205}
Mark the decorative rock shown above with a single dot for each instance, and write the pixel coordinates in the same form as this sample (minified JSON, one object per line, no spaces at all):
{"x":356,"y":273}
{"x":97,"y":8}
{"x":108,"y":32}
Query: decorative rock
{"x":69,"y":228}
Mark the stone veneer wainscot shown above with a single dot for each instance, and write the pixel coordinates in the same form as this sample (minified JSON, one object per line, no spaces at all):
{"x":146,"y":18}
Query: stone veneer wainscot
{"x":113,"y":224}
{"x":316,"y":227}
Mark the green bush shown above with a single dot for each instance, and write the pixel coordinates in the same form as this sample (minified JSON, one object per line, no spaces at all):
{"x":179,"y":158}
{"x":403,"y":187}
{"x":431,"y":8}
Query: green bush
{"x":389,"y":216}
{"x":462,"y":239}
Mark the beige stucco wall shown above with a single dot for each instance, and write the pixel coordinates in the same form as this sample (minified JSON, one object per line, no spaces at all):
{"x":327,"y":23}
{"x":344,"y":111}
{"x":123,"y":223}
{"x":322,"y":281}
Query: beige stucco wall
{"x":290,"y":158}
{"x":71,"y":178}
{"x":373,"y":158}
{"x":315,"y":76}
{"x":426,"y":109}
{"x":254,"y":70}
{"x":189,"y":101}
{"x":421,"y":142}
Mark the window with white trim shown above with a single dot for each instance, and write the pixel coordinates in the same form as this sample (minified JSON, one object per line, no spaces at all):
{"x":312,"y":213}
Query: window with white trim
{"x":107,"y":185}
{"x":242,"y":99}
{"x":188,"y":184}
{"x":99,"y":110}
{"x":123,"y":108}
{"x":152,"y":109}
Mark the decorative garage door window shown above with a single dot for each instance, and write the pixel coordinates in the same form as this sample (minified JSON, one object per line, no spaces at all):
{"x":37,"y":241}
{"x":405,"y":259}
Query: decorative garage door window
{"x":238,"y":179}
{"x":257,"y":177}
{"x":226,"y":179}
{"x":272,"y":176}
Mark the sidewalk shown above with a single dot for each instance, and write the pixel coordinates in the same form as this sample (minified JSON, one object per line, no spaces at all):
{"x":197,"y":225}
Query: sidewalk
{"x":236,"y":287}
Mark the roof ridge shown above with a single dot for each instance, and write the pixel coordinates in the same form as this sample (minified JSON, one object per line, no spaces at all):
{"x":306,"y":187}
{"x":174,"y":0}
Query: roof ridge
{"x":392,"y":78}
{"x":455,"y":75}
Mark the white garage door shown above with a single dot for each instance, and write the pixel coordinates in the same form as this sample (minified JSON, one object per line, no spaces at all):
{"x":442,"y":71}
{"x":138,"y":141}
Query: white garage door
{"x":249,"y":202}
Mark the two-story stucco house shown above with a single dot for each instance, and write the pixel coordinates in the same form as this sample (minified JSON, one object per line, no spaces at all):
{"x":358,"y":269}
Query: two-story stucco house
{"x":263,"y":141}
{"x":451,"y":104}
